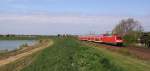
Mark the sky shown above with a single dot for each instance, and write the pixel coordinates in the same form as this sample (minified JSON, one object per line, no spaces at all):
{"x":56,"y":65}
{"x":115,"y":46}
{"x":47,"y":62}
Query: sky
{"x":50,"y":17}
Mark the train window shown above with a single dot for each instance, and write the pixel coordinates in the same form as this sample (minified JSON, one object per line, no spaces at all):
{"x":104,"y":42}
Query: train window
{"x":97,"y":39}
{"x":119,"y":38}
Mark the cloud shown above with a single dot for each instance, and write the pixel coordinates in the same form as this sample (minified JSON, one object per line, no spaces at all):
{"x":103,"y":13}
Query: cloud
{"x":54,"y":24}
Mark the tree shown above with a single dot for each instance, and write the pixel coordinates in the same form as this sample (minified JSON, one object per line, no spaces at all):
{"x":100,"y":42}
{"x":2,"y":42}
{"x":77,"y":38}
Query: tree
{"x":129,"y":28}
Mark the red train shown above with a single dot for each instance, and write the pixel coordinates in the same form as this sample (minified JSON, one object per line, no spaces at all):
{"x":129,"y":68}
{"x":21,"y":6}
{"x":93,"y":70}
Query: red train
{"x":110,"y":39}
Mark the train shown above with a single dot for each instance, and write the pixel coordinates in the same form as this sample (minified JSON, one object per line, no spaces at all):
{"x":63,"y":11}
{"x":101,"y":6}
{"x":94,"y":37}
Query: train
{"x":107,"y":39}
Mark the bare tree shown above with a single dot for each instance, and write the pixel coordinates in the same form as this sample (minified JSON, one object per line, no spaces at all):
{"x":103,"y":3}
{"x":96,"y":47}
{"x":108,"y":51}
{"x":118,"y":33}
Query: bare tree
{"x":128,"y":26}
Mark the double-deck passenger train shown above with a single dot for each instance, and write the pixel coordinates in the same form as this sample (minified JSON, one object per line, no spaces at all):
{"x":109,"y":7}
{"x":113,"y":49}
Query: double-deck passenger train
{"x":110,"y":39}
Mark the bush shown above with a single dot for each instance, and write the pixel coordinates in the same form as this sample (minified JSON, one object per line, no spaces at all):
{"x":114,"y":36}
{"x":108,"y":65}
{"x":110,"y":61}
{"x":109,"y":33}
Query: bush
{"x":130,"y":39}
{"x":24,"y":45}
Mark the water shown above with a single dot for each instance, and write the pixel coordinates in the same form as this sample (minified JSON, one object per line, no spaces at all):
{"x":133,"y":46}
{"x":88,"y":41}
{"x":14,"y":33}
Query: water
{"x":13,"y":44}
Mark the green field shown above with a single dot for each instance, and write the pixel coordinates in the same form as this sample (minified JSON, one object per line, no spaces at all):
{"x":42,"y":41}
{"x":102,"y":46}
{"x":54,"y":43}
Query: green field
{"x":69,"y":54}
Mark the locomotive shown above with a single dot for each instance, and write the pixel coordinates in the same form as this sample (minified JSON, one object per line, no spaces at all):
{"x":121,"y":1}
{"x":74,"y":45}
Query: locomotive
{"x":108,"y":39}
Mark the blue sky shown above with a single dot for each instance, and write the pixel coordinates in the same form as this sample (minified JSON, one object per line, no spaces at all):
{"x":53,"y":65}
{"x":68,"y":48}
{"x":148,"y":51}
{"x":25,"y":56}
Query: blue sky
{"x":131,"y":7}
{"x":69,"y":16}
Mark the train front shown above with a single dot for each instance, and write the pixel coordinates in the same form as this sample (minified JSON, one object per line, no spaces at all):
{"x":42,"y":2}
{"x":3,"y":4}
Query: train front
{"x":119,"y":41}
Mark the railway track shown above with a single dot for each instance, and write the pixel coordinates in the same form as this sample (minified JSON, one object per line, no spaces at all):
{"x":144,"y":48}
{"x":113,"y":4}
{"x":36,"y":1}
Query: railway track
{"x":104,"y":44}
{"x":141,"y":53}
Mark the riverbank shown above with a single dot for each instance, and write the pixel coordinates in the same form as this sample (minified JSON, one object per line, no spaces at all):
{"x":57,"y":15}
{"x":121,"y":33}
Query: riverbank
{"x":15,"y":55}
{"x":18,"y":37}
{"x":12,"y":45}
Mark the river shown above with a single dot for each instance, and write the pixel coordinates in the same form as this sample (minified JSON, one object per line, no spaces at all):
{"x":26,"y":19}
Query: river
{"x":13,"y":44}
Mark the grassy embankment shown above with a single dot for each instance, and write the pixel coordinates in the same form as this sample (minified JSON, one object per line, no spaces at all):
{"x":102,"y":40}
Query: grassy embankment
{"x":69,"y":54}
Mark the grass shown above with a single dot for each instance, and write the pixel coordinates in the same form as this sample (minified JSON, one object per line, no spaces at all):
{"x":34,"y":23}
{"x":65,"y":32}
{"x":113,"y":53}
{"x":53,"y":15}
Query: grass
{"x":127,"y":62}
{"x":69,"y":54}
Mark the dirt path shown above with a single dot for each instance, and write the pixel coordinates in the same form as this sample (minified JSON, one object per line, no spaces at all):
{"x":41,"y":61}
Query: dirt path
{"x":18,"y":56}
